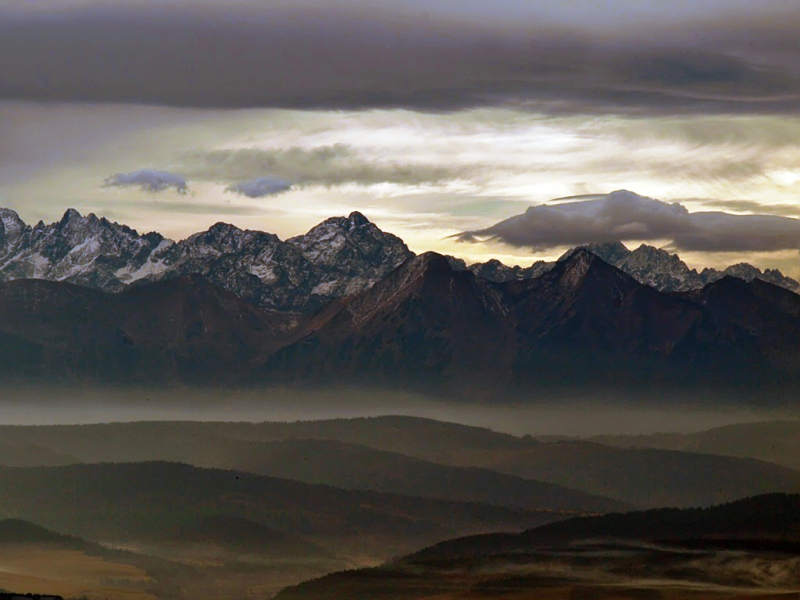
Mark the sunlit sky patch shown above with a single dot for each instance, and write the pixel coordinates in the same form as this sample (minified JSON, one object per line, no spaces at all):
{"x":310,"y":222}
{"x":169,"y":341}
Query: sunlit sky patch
{"x":422,"y":176}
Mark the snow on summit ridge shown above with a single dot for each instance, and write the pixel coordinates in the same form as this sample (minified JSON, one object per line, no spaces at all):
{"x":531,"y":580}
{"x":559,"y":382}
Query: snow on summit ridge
{"x":339,"y":257}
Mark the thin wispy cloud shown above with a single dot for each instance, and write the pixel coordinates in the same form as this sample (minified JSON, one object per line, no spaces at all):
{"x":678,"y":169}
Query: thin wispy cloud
{"x":327,"y":165}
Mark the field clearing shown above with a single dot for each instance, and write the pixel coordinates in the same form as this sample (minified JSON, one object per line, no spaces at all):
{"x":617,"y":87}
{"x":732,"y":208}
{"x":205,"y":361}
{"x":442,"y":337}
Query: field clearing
{"x":70,"y":573}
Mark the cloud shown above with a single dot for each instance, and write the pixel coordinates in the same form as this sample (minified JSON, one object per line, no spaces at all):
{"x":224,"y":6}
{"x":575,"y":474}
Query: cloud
{"x":328,"y":165}
{"x":260,"y":187}
{"x":625,"y":216}
{"x":149,"y":181}
{"x":346,"y":55}
{"x":784,"y":210}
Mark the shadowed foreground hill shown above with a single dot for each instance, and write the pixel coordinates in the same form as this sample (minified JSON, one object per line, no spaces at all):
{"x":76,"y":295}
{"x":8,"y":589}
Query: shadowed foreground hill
{"x":771,"y":518}
{"x":160,"y":502}
{"x":740,"y":550}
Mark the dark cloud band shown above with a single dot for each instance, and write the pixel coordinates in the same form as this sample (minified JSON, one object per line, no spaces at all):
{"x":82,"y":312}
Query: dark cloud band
{"x":625,"y":216}
{"x":323,"y":58}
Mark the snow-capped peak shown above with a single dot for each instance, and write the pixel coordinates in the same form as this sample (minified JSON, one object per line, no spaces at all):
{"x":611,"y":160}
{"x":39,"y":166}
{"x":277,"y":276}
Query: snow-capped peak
{"x":339,"y":257}
{"x":351,"y":253}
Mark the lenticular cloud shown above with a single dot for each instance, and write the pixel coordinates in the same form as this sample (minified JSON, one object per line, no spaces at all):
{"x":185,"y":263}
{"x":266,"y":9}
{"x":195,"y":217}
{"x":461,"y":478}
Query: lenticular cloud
{"x":624,"y":216}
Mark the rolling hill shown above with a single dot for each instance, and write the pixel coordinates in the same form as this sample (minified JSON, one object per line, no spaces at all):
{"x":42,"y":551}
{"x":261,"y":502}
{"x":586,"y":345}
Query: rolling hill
{"x":141,"y":502}
{"x":773,"y":441}
{"x":413,"y":456}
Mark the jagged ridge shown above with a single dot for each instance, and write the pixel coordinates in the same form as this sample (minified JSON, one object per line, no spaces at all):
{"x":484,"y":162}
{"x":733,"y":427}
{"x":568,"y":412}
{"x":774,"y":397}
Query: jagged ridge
{"x":339,"y":258}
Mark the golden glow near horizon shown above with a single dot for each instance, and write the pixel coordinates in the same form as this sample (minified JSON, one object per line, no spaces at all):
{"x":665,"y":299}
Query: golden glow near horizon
{"x":422,"y":176}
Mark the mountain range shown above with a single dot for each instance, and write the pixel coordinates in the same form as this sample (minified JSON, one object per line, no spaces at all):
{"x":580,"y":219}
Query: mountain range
{"x":340,"y":257}
{"x":90,"y":300}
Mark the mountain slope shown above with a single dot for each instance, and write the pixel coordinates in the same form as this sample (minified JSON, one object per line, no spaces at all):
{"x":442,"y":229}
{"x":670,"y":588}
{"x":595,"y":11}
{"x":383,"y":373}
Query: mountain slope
{"x":748,"y":333}
{"x":423,"y":322}
{"x":587,"y":319}
{"x":422,"y":326}
{"x":648,"y":477}
{"x":178,"y":330}
{"x":768,"y":517}
{"x":639,"y":477}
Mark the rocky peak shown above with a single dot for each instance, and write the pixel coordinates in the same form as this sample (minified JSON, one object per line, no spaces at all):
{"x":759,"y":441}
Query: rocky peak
{"x":13,"y":230}
{"x":649,"y":256}
{"x":356,"y":219}
{"x":415,"y":272}
{"x":11,"y":222}
{"x":218,"y":232}
{"x":457,"y":264}
{"x":71,"y":215}
{"x":743,"y":271}
{"x":749,"y":273}
{"x":572,"y":270}
{"x":658,"y":268}
{"x":222,"y":239}
{"x":351,"y":254}
{"x":611,"y":252}
{"x":430,"y":262}
{"x":494,"y":270}
{"x":354,"y":234}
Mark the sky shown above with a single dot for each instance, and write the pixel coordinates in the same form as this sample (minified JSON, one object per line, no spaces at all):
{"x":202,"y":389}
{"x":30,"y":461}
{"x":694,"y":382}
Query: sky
{"x":477,"y":129}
